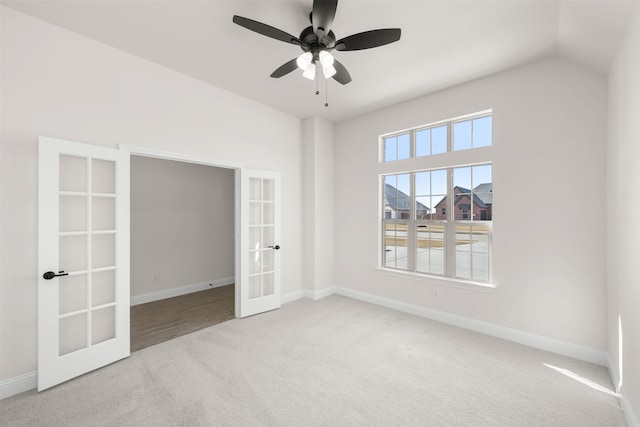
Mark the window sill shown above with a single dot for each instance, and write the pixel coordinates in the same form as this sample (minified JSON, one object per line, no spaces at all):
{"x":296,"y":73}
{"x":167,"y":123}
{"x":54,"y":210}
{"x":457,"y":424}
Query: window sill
{"x":446,"y":281}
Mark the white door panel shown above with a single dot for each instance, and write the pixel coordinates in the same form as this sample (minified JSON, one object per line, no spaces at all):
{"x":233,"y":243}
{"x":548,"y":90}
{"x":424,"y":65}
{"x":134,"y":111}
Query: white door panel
{"x":260,"y":242}
{"x":83,"y":310}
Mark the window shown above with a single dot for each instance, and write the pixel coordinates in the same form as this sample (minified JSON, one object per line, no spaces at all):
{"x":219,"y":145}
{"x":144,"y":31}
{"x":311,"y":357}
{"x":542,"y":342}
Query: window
{"x":397,"y":147}
{"x":419,"y":233}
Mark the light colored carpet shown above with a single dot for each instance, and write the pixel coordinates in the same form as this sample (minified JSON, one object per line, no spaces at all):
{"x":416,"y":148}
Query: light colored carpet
{"x":333,"y":362}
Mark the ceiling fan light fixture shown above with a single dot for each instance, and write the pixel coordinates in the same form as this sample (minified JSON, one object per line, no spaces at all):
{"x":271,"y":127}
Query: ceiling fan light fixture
{"x":310,"y":72}
{"x":326,"y":59}
{"x":329,"y":71}
{"x":304,"y":60}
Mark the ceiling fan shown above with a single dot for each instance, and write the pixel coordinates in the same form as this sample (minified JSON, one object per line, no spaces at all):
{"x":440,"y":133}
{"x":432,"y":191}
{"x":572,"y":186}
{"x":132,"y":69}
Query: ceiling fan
{"x":317,"y":41}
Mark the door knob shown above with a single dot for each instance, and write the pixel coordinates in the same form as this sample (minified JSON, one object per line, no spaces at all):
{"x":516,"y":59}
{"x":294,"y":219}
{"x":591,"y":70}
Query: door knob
{"x":50,"y":274}
{"x":276,"y":247}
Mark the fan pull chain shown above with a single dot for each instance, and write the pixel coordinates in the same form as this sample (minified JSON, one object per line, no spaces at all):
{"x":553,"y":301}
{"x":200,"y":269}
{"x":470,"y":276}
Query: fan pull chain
{"x":326,"y":93}
{"x":317,"y":78}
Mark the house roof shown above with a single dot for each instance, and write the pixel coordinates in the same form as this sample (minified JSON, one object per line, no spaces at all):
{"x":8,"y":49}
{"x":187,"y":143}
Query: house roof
{"x":482,"y":195}
{"x":484,"y":192}
{"x":399,"y":200}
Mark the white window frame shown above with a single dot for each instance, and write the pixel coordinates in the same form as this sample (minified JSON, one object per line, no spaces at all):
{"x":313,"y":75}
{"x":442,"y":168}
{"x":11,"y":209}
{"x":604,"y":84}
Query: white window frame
{"x":449,"y":161}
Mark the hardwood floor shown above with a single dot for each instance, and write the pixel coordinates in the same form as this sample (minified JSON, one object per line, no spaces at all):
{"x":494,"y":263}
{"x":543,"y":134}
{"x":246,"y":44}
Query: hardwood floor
{"x":159,"y":321}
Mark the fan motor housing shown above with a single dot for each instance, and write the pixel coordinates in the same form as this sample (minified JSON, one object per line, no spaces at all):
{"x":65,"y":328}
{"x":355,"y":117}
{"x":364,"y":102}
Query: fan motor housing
{"x":311,"y":43}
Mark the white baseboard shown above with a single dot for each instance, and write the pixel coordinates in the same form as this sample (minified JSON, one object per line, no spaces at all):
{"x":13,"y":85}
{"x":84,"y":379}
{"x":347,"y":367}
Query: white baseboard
{"x":19,"y":384}
{"x":579,"y":352}
{"x":304,"y":293}
{"x":629,"y":413}
{"x":183,"y":290}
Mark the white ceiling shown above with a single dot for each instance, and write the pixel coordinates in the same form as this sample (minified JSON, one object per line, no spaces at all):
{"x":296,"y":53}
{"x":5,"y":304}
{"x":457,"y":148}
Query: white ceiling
{"x":444,"y":42}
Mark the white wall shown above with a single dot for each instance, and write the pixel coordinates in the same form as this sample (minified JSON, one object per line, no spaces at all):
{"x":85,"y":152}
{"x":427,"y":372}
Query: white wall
{"x":59,"y":84}
{"x":318,"y":184}
{"x":623,"y":206}
{"x":549,"y":190}
{"x":182,"y":224}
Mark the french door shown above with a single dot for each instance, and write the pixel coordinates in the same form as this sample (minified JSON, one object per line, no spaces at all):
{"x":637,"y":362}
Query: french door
{"x":83,"y":259}
{"x":260,"y":242}
{"x":83,"y":254}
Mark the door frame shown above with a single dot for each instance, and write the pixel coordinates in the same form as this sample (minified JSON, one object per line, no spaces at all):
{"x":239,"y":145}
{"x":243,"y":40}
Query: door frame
{"x":236,"y":167}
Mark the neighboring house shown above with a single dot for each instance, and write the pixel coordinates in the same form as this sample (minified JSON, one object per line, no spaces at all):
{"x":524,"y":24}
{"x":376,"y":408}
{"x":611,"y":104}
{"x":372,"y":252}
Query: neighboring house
{"x":482,"y":204}
{"x":397,"y":205}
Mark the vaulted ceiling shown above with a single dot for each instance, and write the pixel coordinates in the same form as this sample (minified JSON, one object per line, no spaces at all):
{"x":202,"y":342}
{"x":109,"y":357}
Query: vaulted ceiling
{"x":444,"y":43}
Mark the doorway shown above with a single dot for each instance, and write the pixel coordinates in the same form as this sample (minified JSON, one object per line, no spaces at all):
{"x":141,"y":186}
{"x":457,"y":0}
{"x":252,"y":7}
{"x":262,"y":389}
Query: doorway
{"x":182,"y":248}
{"x":84,"y":235}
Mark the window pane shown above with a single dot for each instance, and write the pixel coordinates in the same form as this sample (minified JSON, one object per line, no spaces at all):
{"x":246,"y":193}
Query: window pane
{"x":462,"y":135}
{"x":439,"y":140}
{"x":423,"y":143}
{"x":423,"y":189}
{"x":404,"y":184}
{"x":423,"y":183}
{"x":480,"y":239}
{"x":481,"y":175}
{"x":482,"y":193}
{"x":404,"y":146}
{"x":397,"y":147}
{"x":462,"y":179}
{"x":395,"y":246}
{"x":480,"y":267}
{"x":397,"y":196}
{"x":463,"y":265}
{"x":430,"y":248}
{"x":482,"y":132}
{"x":422,"y":207}
{"x":390,"y":149}
{"x":463,"y":238}
{"x":439,"y":182}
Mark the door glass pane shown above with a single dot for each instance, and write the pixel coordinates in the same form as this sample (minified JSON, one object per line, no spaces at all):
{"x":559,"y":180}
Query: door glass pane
{"x":267,"y":216}
{"x":103,"y":285}
{"x":267,"y":284}
{"x":103,"y":250}
{"x":103,"y":176}
{"x":73,"y":173}
{"x":267,"y":186}
{"x":267,"y":236}
{"x":267,"y":261}
{"x":255,"y":213}
{"x":72,"y":334}
{"x":255,"y":262}
{"x":103,"y":325}
{"x":73,"y":213}
{"x":255,"y":286}
{"x":255,"y":241}
{"x":72,"y":293}
{"x":255,"y":187}
{"x":103,"y":213}
{"x":72,"y":253}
